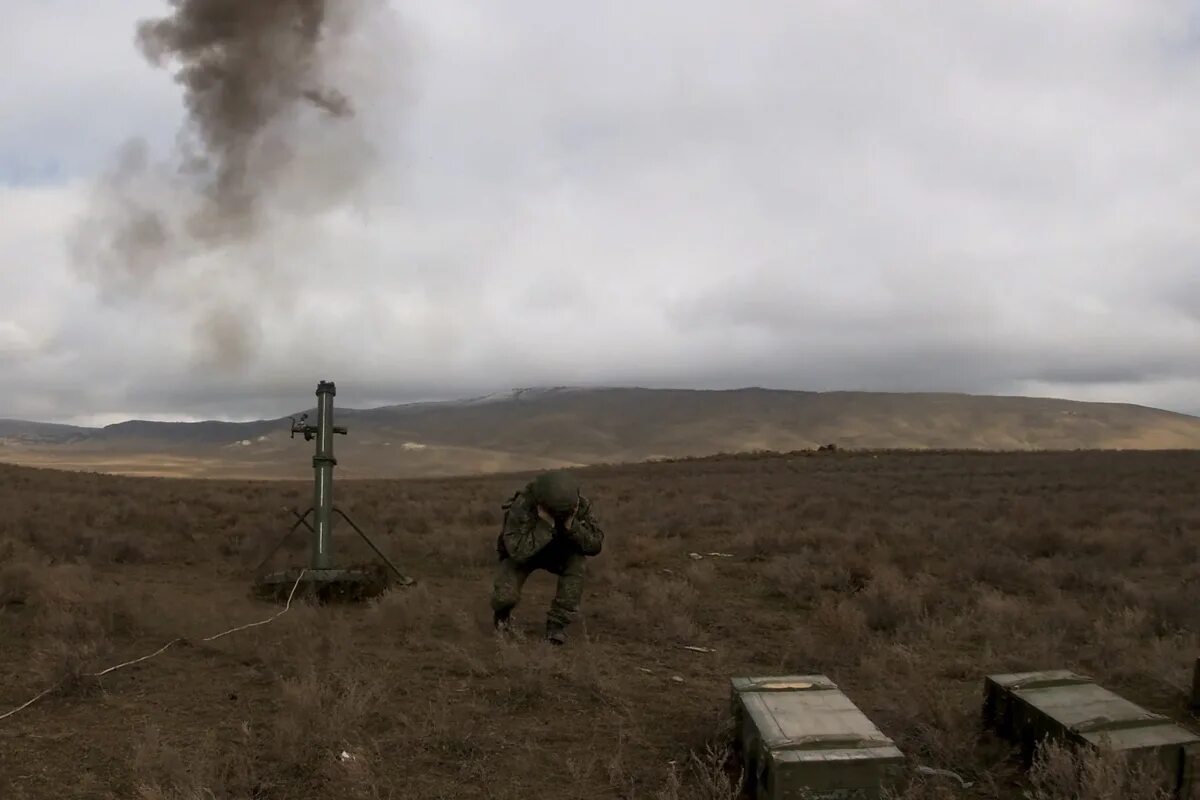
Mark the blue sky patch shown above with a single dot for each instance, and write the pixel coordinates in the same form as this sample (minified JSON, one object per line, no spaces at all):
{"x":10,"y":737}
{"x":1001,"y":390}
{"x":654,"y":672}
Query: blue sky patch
{"x":16,"y":171}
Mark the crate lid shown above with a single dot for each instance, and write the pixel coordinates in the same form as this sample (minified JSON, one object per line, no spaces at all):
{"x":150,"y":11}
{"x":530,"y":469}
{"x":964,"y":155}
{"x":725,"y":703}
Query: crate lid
{"x":1095,"y":713}
{"x":812,"y":721}
{"x":1039,"y":679}
{"x":1162,"y":734}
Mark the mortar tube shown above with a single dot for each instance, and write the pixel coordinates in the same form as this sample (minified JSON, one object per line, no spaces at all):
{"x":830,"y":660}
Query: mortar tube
{"x":323,"y":464}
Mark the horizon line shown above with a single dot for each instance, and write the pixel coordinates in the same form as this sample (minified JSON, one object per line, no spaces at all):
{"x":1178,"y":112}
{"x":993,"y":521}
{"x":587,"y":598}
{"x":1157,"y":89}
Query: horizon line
{"x":513,"y":392}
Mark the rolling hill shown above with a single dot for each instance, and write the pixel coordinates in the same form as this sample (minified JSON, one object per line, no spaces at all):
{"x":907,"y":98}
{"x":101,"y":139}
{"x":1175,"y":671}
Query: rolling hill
{"x":537,"y":428}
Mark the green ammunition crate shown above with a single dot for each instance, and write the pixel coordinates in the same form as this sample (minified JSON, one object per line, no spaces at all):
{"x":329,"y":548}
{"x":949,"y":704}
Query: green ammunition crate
{"x":1028,"y":707}
{"x":800,"y":738}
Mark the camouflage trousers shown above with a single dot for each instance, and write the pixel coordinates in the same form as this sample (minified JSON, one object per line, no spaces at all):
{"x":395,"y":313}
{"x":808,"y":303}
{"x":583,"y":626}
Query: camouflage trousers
{"x":511,"y":577}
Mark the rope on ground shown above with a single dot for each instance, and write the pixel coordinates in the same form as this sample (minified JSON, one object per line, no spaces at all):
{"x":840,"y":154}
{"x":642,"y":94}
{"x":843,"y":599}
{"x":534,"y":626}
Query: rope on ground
{"x":164,"y":648}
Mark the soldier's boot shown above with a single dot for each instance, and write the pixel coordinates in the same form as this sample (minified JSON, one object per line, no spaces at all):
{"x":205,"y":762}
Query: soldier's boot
{"x":506,"y":593}
{"x":565,"y":605}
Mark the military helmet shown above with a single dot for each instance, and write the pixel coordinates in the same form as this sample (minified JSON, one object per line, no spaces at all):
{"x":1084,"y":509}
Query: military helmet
{"x":557,"y":491}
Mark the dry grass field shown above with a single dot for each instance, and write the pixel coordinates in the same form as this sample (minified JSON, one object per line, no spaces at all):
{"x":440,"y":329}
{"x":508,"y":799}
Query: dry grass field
{"x":904,"y":577}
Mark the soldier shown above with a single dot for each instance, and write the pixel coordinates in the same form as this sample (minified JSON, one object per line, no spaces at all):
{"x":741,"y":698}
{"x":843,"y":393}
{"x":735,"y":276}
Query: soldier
{"x":547,"y":525}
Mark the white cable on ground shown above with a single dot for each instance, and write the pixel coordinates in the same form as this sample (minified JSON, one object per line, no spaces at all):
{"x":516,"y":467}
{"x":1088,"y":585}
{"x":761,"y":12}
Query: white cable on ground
{"x":265,"y":621}
{"x":29,"y":703}
{"x":162,"y":649}
{"x":165,"y":647}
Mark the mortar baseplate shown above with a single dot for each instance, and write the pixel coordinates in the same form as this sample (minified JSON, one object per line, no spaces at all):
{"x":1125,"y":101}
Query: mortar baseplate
{"x":354,"y":583}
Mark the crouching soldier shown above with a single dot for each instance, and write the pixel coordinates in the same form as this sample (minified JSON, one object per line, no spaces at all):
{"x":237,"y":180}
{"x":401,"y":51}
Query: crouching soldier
{"x":548,"y":525}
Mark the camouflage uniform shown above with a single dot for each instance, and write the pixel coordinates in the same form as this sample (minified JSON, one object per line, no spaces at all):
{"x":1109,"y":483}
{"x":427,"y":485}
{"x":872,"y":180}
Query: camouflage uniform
{"x":527,"y":542}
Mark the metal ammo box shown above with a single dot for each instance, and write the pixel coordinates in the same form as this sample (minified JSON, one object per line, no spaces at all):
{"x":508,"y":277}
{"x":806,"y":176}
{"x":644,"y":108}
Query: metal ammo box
{"x":1027,"y":707}
{"x":802,"y":739}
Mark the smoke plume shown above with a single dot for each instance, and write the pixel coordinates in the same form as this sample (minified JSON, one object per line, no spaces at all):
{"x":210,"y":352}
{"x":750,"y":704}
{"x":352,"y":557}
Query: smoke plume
{"x":269,"y":139}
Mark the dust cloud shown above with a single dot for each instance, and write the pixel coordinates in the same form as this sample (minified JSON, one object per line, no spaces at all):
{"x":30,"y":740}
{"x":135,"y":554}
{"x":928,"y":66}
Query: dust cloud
{"x":272,"y":136}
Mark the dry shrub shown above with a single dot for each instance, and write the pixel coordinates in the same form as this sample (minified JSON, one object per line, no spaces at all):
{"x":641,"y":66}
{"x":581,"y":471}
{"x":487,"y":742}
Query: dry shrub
{"x":999,"y":613}
{"x":1062,"y":772}
{"x":701,"y":574}
{"x":619,"y":778}
{"x":14,"y":550}
{"x":665,"y":607}
{"x":835,"y":628}
{"x":531,"y":674}
{"x":337,"y":701}
{"x":462,"y":552}
{"x":269,"y":762}
{"x":614,"y":609}
{"x":163,"y":771}
{"x":946,"y":725}
{"x":487,"y":515}
{"x":763,"y":542}
{"x":706,"y":774}
{"x":59,"y":545}
{"x":430,"y":728}
{"x":840,"y":620}
{"x":17,"y":584}
{"x":459,"y":660}
{"x":66,"y":665}
{"x":321,"y":714}
{"x":412,"y":615}
{"x":717,"y":518}
{"x":793,"y":580}
{"x":1116,"y":648}
{"x":656,"y":608}
{"x":674,"y":525}
{"x":74,"y":622}
{"x":849,"y":575}
{"x":1112,"y":589}
{"x":401,"y":612}
{"x":1173,"y":609}
{"x":1008,"y":573}
{"x":890,"y":602}
{"x":923,"y":789}
{"x":1043,"y":539}
{"x":1127,"y":546}
{"x":419,"y":524}
{"x":120,"y":550}
{"x":592,"y":676}
{"x":639,"y":551}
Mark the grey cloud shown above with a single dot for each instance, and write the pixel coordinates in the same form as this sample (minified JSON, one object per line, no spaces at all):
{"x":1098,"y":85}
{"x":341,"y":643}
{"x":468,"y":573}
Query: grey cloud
{"x":976,"y":197}
{"x":74,"y":86}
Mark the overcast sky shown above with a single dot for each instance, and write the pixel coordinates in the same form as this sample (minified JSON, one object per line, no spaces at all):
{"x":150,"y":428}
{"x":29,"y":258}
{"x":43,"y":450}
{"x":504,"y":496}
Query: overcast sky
{"x":992,"y":197}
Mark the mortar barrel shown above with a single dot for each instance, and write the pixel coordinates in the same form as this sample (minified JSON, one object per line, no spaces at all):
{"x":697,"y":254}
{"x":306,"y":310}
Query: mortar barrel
{"x":323,"y":463}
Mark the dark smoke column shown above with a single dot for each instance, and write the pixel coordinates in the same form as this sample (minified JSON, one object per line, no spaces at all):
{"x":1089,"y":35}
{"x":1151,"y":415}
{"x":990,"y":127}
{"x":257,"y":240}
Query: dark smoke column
{"x":245,"y":66}
{"x":268,"y":146}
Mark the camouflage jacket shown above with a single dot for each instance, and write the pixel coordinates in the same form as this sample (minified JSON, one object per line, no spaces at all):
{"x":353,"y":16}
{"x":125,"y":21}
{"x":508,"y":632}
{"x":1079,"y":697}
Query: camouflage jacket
{"x":524,"y":534}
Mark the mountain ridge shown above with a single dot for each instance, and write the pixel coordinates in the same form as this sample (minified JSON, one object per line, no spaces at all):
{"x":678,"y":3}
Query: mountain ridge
{"x":537,"y":427}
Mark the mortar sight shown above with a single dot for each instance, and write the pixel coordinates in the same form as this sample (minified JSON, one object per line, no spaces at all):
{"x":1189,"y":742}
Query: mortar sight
{"x":323,"y":577}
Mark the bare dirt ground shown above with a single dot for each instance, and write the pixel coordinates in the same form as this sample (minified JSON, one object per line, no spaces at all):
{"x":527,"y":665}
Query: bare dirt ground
{"x":904,"y":577}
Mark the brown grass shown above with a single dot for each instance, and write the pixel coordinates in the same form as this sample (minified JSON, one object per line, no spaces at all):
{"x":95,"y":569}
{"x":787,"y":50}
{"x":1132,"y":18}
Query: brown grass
{"x":906,"y":578}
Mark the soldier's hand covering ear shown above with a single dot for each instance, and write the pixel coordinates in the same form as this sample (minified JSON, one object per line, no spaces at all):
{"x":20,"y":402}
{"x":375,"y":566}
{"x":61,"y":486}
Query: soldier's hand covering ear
{"x":569,"y":522}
